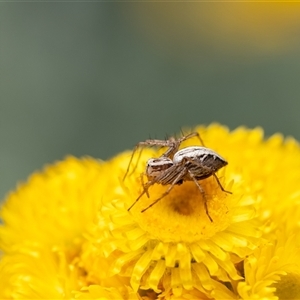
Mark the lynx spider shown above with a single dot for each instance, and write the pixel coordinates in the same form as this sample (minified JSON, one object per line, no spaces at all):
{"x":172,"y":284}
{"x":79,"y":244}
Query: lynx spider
{"x":175,"y":166}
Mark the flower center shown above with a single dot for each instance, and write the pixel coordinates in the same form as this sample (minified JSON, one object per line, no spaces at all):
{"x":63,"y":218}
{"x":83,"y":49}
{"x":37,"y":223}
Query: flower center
{"x":288,"y":287}
{"x":180,"y":214}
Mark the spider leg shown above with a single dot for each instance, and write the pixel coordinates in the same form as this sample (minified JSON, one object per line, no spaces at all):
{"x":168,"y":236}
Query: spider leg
{"x":159,"y":143}
{"x":145,"y":191}
{"x":202,"y":192}
{"x":190,"y":135}
{"x":220,"y":185}
{"x":175,"y":144}
{"x":178,"y":177}
{"x":145,"y":185}
{"x":137,"y":146}
{"x":150,"y":143}
{"x":171,"y":151}
{"x":138,"y":198}
{"x":213,"y":174}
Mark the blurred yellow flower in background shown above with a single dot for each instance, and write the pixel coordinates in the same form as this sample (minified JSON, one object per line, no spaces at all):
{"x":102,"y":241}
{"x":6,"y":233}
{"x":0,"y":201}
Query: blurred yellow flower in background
{"x":239,"y":28}
{"x":67,"y":232}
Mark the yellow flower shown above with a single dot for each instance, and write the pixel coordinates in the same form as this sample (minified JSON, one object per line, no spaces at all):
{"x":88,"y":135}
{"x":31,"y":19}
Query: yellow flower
{"x":67,"y":232}
{"x":174,"y":245}
{"x":54,"y":207}
{"x":104,"y":293}
{"x":260,"y":28}
{"x":272,"y":271}
{"x":38,"y":273}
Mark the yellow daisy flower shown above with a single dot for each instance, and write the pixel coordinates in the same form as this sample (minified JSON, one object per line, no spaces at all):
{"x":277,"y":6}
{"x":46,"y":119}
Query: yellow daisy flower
{"x":34,"y":272}
{"x":272,"y":271}
{"x":174,"y":245}
{"x":53,"y":207}
{"x":67,"y":232}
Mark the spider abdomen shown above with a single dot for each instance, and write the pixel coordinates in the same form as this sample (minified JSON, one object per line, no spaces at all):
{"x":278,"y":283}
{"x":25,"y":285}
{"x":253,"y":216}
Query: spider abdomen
{"x":201,"y":161}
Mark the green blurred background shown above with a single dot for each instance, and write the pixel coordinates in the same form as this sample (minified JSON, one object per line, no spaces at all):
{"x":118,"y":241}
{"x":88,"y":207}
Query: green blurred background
{"x":95,"y":78}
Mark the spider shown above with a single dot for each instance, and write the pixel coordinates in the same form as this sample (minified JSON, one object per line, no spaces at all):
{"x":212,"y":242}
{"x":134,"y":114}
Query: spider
{"x":176,"y":166}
